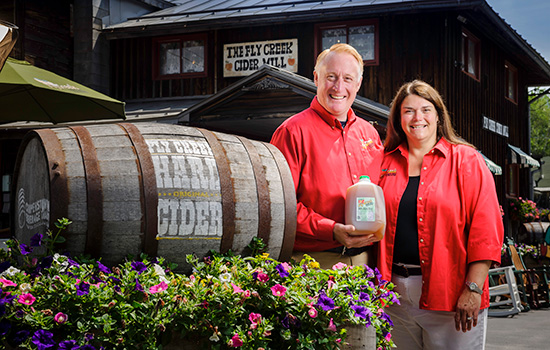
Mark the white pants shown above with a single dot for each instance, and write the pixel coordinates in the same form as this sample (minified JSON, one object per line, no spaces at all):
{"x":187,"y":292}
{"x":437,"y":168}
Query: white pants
{"x":415,"y":328}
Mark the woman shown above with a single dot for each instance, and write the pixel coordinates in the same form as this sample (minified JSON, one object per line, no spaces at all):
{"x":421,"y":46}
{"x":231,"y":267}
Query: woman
{"x":443,"y":226}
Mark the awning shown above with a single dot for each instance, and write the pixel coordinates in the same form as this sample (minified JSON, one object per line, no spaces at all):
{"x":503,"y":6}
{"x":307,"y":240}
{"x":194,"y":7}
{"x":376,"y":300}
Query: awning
{"x":493,"y":167}
{"x":520,"y":157}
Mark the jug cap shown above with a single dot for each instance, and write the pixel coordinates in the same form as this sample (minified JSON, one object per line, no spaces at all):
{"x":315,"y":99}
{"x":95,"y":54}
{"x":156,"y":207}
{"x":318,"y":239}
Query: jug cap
{"x":364,"y":177}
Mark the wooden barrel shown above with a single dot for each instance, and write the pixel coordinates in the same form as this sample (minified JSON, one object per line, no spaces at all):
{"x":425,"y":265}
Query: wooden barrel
{"x":165,"y":190}
{"x":533,"y":232}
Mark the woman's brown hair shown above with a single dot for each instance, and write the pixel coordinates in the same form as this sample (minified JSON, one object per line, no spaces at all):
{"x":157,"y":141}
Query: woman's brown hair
{"x":395,"y":134}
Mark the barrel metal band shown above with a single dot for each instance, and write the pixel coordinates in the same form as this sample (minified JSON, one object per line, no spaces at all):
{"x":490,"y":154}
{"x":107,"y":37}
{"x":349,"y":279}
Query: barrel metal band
{"x":226,"y":188}
{"x":148,"y":188}
{"x":59,"y":190}
{"x":290,"y":203}
{"x":264,"y":200}
{"x":94,"y":191}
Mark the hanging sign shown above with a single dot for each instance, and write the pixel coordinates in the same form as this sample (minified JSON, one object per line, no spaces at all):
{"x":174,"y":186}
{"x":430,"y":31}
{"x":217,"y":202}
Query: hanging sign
{"x":245,"y":58}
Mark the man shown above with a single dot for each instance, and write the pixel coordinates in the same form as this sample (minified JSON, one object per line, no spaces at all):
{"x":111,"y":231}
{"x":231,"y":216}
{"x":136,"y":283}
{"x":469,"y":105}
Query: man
{"x":328,"y":148}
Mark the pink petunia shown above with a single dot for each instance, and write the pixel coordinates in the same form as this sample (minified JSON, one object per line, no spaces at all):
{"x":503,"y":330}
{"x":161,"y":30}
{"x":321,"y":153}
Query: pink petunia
{"x":235,"y":341}
{"x":331,"y":326}
{"x":7,"y":283}
{"x":278,"y":290}
{"x":263,"y":277}
{"x":236,"y":288}
{"x":27,"y":299}
{"x":161,"y":287}
{"x":254,"y":317}
{"x":339,"y":266}
{"x":60,"y":318}
{"x":312,"y":312}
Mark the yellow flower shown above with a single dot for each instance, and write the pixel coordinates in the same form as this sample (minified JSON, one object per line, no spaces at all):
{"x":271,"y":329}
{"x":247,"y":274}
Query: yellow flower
{"x":313,"y":265}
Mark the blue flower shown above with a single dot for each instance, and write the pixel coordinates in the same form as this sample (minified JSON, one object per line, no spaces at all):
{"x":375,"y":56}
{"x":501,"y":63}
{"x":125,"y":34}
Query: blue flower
{"x":138,"y":286}
{"x":82,"y":288}
{"x":21,"y":336}
{"x":25,"y":249}
{"x":4,"y":327}
{"x":363,"y":297}
{"x":46,"y":262}
{"x":325,"y":302}
{"x":68,"y":345}
{"x":36,"y":240}
{"x":139,"y":267}
{"x":361,"y":311}
{"x":384,"y":316}
{"x":103,"y":268}
{"x":43,"y":339}
{"x":282,"y":272}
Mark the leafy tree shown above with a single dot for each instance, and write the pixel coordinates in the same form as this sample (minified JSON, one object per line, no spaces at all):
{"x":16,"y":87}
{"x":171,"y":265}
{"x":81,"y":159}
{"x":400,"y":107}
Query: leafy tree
{"x":540,"y":124}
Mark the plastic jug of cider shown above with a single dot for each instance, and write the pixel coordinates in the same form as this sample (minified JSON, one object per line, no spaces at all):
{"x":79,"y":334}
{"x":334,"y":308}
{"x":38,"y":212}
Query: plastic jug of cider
{"x":366,"y":208}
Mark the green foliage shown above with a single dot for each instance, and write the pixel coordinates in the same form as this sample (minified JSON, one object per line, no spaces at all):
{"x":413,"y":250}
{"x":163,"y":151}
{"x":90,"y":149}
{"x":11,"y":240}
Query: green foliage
{"x":228,"y":301}
{"x":525,"y":210}
{"x":540,"y":123}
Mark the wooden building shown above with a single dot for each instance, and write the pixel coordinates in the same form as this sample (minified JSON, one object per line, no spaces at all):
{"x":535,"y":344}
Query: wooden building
{"x":480,"y":65}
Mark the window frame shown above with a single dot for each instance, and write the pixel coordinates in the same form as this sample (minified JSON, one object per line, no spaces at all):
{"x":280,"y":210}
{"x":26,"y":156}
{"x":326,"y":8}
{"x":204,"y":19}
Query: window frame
{"x":510,"y":68}
{"x":332,"y":25}
{"x":512,"y":180}
{"x":180,"y":39}
{"x":466,"y":38}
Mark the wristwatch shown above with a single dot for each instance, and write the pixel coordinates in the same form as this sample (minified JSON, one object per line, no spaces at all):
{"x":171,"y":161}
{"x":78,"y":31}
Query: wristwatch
{"x":474,"y":287}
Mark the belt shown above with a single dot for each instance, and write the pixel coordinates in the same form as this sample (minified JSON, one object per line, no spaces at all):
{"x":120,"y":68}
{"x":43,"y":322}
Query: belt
{"x":348,"y":251}
{"x":404,"y":271}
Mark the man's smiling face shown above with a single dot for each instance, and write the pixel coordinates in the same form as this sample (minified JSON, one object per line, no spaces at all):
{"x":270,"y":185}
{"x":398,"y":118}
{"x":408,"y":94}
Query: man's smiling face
{"x":338,"y":81}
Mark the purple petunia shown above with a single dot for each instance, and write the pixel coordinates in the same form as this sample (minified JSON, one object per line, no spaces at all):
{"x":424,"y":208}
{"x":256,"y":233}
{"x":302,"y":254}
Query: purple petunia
{"x":68,"y":345}
{"x":43,"y":339}
{"x":139,"y":267}
{"x":139,"y":287}
{"x":384,"y":316}
{"x":363,"y":297}
{"x":36,"y":240}
{"x":25,"y":249}
{"x":325,"y":302}
{"x":87,"y":347}
{"x":282,"y":271}
{"x":82,"y":288}
{"x":361,"y":311}
{"x":103,"y":268}
{"x":21,"y":336}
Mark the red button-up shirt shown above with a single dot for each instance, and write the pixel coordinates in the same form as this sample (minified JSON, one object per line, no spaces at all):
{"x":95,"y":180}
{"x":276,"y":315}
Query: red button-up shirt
{"x":458,"y":219}
{"x":324,"y":161}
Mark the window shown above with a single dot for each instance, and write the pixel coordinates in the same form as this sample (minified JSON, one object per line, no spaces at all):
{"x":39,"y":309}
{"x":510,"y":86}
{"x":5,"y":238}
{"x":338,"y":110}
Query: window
{"x":512,"y":180}
{"x":362,"y":35}
{"x":511,"y":82}
{"x":471,"y":53}
{"x":180,"y":57}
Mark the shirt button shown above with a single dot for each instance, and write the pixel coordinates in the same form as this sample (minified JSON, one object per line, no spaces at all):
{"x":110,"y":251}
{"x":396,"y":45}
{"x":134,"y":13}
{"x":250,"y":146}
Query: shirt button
{"x":355,"y":176}
{"x":349,"y":154}
{"x":421,"y":240}
{"x":425,"y":168}
{"x":422,"y":183}
{"x":420,"y":219}
{"x":343,"y":132}
{"x":332,"y":127}
{"x":422,"y":262}
{"x":419,"y":198}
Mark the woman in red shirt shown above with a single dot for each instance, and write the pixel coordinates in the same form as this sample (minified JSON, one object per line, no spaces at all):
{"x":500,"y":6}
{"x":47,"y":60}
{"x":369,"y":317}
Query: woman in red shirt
{"x":443,"y":226}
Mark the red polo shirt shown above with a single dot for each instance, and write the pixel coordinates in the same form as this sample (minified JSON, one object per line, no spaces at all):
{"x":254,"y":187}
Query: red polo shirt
{"x":325,"y":160}
{"x":458,"y":215}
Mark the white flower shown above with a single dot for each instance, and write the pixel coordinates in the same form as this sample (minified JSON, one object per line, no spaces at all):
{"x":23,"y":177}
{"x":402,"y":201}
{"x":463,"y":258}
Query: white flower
{"x":24,"y":288}
{"x":214,"y":337}
{"x":11,"y":271}
{"x":159,"y":271}
{"x":225,"y":277}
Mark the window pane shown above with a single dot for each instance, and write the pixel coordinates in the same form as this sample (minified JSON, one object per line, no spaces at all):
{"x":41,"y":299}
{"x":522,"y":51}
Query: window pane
{"x":332,"y":36}
{"x":169,"y":58}
{"x":362,"y":39}
{"x":511,"y":85}
{"x":193,"y":56}
{"x":472,"y":58}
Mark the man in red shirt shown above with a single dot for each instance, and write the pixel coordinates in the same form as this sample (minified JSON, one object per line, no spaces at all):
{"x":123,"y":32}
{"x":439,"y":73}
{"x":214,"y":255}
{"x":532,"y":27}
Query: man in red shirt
{"x":328,"y":148}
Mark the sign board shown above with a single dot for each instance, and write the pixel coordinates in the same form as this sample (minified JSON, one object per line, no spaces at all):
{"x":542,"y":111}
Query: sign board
{"x":243,"y":59}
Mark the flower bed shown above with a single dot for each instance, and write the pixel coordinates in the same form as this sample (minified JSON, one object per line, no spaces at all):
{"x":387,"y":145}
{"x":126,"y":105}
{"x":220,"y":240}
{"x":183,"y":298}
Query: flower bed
{"x":228,"y":301}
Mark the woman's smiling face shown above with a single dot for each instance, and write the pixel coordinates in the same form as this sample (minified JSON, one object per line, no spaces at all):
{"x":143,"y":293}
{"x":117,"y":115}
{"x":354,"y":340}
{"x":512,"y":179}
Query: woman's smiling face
{"x":419,"y":121}
{"x":338,"y":81}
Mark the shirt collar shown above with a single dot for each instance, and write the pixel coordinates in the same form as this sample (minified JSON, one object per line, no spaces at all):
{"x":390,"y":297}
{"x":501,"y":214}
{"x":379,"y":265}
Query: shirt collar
{"x":329,"y":118}
{"x":442,"y":146}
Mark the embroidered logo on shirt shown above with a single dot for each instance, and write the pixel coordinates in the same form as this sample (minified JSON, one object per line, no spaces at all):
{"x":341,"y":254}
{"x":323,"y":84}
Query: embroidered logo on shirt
{"x":365,"y":144}
{"x":388,"y":172}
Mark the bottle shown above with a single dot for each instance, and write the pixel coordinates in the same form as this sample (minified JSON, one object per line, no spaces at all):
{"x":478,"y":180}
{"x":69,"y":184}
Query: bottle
{"x":366,"y":208}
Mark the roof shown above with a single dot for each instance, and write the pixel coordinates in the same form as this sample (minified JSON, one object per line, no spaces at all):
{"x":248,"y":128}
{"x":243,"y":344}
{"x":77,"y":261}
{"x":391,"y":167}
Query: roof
{"x":256,"y":105}
{"x":198,"y":15}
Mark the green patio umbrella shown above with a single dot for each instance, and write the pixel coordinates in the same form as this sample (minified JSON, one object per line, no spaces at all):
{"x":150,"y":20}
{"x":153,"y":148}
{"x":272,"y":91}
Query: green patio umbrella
{"x":29,"y":93}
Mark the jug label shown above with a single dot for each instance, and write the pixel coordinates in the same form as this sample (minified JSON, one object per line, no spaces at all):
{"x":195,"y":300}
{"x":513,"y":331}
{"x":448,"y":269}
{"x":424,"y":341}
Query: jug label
{"x":366,"y":209}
